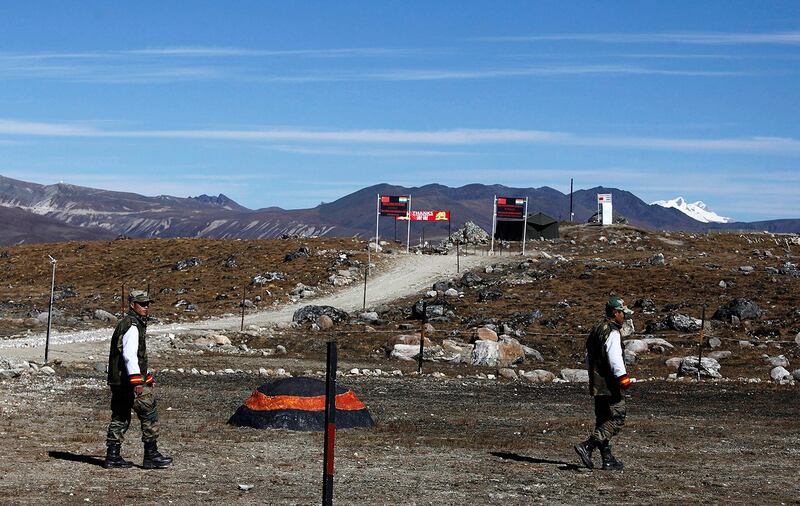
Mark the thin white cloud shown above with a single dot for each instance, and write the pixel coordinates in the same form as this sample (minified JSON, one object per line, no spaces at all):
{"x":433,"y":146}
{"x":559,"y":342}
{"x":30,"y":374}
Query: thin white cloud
{"x":555,"y":70}
{"x":354,"y":152}
{"x":466,"y":136}
{"x":698,"y":38}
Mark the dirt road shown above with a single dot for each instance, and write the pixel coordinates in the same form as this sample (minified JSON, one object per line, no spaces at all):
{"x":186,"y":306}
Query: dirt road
{"x":407,"y":274}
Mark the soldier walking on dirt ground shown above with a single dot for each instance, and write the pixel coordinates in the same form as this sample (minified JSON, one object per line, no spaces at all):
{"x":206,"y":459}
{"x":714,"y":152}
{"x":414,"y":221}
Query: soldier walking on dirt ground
{"x":132,"y":387}
{"x":607,"y":379}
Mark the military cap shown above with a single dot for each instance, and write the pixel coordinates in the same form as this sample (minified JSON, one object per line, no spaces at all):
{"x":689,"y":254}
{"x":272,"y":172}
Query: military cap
{"x":618,"y":305}
{"x":139,"y":296}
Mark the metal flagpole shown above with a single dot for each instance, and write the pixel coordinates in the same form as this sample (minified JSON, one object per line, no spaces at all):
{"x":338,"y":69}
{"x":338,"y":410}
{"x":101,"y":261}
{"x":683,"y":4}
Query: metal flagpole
{"x":50,"y":309}
{"x":408,"y":231}
{"x":570,"y":199}
{"x":525,"y":227}
{"x":494,"y":220}
{"x":377,"y":218}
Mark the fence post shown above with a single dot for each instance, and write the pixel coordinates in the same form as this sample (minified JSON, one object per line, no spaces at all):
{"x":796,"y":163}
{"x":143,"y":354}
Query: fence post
{"x":422,"y":336}
{"x":50,"y":309}
{"x":330,"y":425}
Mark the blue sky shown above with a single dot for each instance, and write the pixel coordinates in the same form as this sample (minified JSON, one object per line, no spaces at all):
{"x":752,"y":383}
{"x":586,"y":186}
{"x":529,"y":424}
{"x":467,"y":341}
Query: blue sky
{"x":294,"y":103}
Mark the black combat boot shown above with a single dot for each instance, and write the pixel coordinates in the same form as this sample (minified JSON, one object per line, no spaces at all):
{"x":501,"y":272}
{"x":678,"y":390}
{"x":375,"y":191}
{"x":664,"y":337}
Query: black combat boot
{"x":584,"y":451}
{"x":113,"y":460}
{"x":153,"y":459}
{"x":610,"y":462}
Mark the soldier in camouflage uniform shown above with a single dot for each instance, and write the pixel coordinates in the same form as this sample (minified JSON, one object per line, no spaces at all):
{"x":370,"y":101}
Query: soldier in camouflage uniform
{"x":132,"y":387}
{"x":607,"y":379}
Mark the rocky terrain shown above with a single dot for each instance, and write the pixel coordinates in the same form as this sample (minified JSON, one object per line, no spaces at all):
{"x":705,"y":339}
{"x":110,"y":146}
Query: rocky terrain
{"x":502,"y":395}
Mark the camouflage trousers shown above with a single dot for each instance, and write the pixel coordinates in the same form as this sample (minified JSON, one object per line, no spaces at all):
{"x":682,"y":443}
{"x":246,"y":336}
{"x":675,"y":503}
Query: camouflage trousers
{"x":609,"y":412}
{"x":122,"y":401}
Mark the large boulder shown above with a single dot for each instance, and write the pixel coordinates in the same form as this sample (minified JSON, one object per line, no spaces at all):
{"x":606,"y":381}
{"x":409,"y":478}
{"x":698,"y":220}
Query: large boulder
{"x":708,"y":367}
{"x":485,"y":334}
{"x":574,"y":375}
{"x":683,"y":323}
{"x":310,"y":313}
{"x":635,"y":346}
{"x":432,"y":309}
{"x":743,"y":309}
{"x":454,"y":348}
{"x":102,"y":315}
{"x":470,"y":279}
{"x":485,"y":353}
{"x":509,"y":352}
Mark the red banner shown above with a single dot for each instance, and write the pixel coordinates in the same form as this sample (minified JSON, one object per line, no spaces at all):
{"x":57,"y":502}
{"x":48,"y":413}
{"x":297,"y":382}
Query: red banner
{"x":427,"y":216}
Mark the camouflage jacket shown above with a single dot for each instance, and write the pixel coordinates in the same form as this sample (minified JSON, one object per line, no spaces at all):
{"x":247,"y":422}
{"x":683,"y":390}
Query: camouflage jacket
{"x":117,"y":372}
{"x":601,"y":380}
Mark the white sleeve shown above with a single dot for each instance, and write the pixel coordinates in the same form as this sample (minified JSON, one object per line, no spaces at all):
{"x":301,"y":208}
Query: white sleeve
{"x":130,"y":348}
{"x":614,"y":353}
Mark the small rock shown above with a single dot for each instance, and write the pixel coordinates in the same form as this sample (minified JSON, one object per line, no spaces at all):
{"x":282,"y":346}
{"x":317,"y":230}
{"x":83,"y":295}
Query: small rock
{"x":779,"y":374}
{"x":635,"y":346}
{"x":509,"y":374}
{"x":47,"y":370}
{"x":779,"y":361}
{"x":574,"y":375}
{"x":280,"y":349}
{"x":245,"y":487}
{"x":708,"y":367}
{"x":324,"y":322}
{"x":714,"y":342}
{"x":539,"y":376}
{"x":451,"y":292}
{"x":485,"y":353}
{"x":674,"y":362}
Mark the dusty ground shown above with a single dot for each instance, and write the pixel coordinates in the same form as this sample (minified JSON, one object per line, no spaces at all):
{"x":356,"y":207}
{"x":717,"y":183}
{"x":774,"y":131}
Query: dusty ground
{"x":451,"y":440}
{"x":436,"y":442}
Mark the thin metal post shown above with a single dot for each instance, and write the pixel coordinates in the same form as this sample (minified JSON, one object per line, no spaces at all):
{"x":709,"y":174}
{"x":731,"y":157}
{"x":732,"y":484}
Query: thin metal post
{"x":422,"y":336}
{"x":570,"y":199}
{"x":330,"y":425}
{"x":244,"y":292}
{"x":50,"y":309}
{"x":525,"y":227}
{"x":366,"y":272}
{"x":377,"y":219}
{"x":494,"y":221}
{"x":408,"y":230}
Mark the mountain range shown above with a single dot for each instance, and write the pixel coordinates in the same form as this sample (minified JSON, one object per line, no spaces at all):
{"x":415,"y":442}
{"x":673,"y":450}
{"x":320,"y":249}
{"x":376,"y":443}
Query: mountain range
{"x":697,"y":210}
{"x":31,"y":212}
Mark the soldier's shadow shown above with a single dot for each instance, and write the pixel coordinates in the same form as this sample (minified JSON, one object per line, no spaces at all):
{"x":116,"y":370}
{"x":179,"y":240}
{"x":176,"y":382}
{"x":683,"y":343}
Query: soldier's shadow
{"x":563,"y":466}
{"x":76,"y":457}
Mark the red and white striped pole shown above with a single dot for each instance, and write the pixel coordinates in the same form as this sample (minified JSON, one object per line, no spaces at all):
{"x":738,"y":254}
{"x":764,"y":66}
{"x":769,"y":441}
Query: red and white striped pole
{"x":330,"y":425}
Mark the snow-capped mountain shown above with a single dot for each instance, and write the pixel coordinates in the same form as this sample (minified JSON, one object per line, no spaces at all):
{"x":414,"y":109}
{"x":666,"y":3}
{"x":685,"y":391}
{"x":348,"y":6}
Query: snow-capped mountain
{"x":697,"y":210}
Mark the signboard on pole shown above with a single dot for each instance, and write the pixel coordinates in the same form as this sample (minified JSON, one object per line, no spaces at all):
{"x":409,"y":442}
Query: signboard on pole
{"x":604,"y":207}
{"x":510,"y":208}
{"x":426,"y":216}
{"x":397,"y":205}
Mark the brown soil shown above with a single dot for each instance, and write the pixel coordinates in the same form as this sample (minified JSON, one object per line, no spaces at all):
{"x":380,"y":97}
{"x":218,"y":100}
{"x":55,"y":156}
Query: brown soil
{"x":435,"y":442}
{"x":97,"y":271}
{"x":456,"y":440}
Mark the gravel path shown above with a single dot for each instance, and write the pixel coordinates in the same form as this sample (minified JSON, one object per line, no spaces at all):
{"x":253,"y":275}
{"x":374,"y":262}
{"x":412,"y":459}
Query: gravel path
{"x":408,"y":274}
